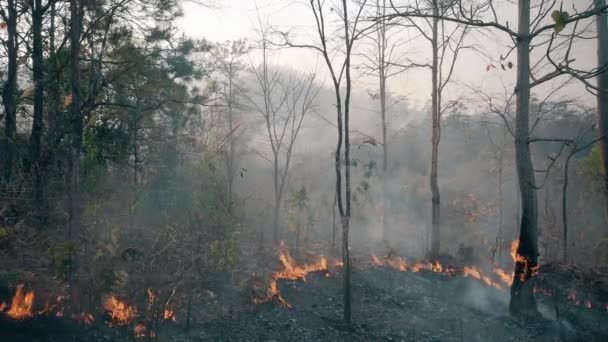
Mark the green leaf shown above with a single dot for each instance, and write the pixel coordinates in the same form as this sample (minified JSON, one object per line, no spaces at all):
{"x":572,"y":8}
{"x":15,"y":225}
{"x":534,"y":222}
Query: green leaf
{"x":560,"y":18}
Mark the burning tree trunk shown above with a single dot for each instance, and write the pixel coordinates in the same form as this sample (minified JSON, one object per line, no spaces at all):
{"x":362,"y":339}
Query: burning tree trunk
{"x":522,"y":296}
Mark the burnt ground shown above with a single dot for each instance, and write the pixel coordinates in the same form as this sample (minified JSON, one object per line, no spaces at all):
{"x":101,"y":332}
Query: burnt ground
{"x":388,"y":305}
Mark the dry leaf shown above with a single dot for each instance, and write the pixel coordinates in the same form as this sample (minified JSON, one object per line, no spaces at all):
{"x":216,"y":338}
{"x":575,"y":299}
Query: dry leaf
{"x":67,"y":101}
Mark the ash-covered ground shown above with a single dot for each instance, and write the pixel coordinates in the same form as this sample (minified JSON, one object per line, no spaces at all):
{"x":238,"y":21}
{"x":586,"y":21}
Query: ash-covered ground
{"x":388,"y":305}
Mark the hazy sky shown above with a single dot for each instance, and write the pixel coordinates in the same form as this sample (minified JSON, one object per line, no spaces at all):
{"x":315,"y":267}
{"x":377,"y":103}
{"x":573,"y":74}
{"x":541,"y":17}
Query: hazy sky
{"x":236,"y":19}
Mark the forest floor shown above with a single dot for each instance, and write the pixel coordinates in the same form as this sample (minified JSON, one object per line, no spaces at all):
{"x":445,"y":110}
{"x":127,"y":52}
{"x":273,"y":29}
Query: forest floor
{"x":388,"y":305}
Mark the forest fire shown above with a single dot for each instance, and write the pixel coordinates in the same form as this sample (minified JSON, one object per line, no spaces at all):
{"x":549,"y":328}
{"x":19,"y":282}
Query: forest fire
{"x":472,"y":271}
{"x":21,"y":304}
{"x":120,"y":312}
{"x":402,"y":265}
{"x":291,"y":271}
{"x":169,"y":315}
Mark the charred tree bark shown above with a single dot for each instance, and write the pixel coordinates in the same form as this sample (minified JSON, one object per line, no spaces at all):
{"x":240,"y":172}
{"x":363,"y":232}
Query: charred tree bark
{"x":38,"y":77}
{"x":522,"y":297}
{"x":9,"y":91}
{"x":602,"y":96}
{"x":435,"y":197}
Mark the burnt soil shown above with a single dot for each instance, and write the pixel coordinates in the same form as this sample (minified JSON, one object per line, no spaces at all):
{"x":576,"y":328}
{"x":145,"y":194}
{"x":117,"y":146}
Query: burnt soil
{"x":388,"y":305}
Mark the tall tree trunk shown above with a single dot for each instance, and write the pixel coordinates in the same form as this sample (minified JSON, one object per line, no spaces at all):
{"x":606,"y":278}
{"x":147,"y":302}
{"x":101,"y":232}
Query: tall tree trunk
{"x":54,"y":93}
{"x":522,"y":296}
{"x":76,"y":138}
{"x":497,"y":254}
{"x":499,"y":237}
{"x":602,"y":96}
{"x":9,"y":92}
{"x":346,"y":215}
{"x":435,"y":199}
{"x":38,"y":76}
{"x":382,"y":85}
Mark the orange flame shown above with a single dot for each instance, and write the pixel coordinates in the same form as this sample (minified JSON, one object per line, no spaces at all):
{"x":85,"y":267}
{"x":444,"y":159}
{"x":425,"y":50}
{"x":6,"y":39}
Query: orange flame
{"x":120,"y":312}
{"x":520,"y":259}
{"x":290,"y":271}
{"x":168,"y":314}
{"x":402,"y":265}
{"x":472,"y":271}
{"x":21,"y":305}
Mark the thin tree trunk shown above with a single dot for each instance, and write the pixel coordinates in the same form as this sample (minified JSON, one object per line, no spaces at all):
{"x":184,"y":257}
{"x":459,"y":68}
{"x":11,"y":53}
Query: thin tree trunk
{"x":277,"y":202}
{"x":298,"y":235}
{"x":346,"y":216}
{"x":435,"y":198}
{"x":382,"y":80}
{"x":9,"y":91}
{"x":501,"y":207}
{"x":38,"y":77}
{"x":522,"y":296}
{"x":76,"y":139}
{"x":602,"y":97}
{"x":333,"y":224}
{"x":229,"y":154}
{"x":565,"y":209}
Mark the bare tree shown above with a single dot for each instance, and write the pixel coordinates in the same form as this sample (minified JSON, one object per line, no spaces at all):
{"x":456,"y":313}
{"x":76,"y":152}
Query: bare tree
{"x":229,"y":62}
{"x":446,"y":43}
{"x":383,"y":62}
{"x":338,"y":61}
{"x":579,"y":144}
{"x":529,"y":27}
{"x":285,"y":101}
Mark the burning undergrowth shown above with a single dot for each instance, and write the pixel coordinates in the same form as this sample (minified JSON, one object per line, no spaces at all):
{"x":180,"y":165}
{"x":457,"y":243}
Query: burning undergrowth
{"x":490,"y":275}
{"x":290,"y":271}
{"x":394,"y":297}
{"x":114,"y":312}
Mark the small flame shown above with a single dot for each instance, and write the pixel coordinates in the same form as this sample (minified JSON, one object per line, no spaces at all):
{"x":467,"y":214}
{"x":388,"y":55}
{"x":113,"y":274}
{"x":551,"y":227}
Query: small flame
{"x":290,"y":271}
{"x":472,"y":271}
{"x":21,"y":305}
{"x":402,"y":265}
{"x":505,"y":277}
{"x":120,"y":312}
{"x":168,"y":314}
